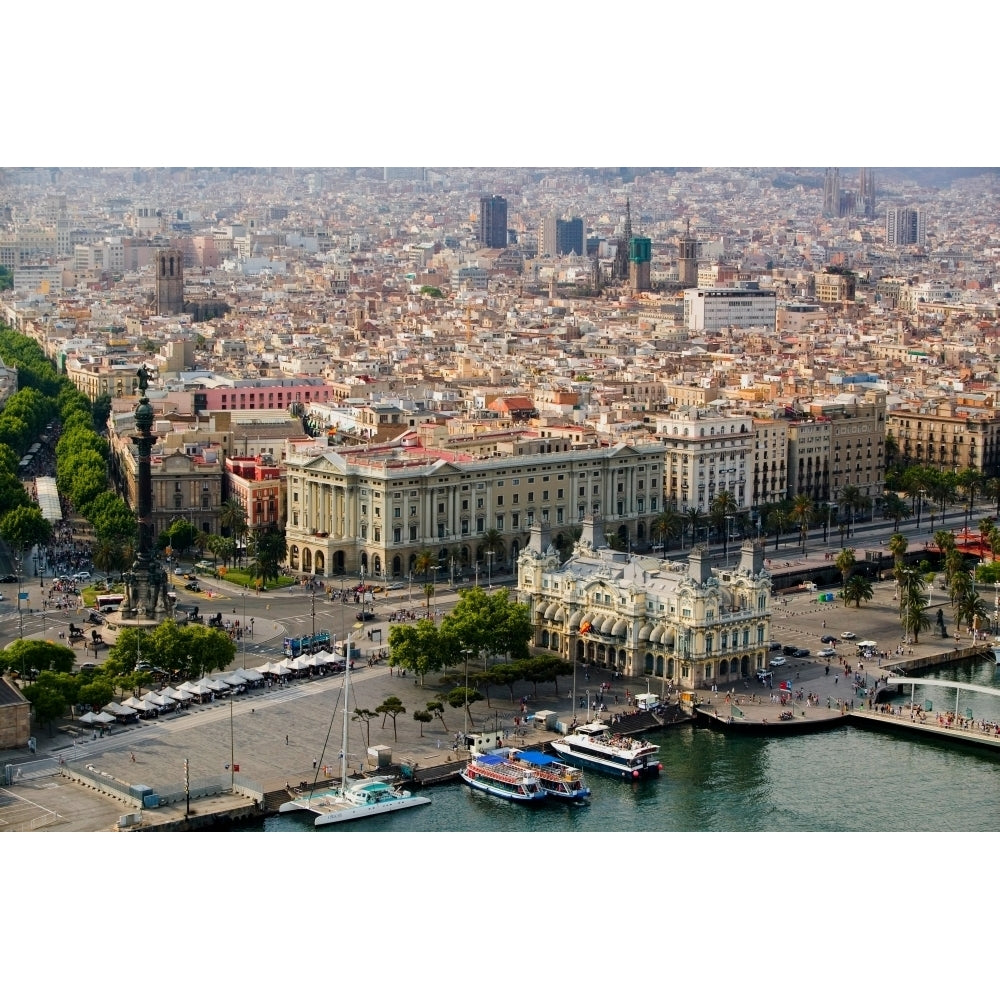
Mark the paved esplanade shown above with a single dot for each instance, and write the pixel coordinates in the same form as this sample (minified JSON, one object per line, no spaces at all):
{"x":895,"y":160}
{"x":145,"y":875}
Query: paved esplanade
{"x":308,"y":712}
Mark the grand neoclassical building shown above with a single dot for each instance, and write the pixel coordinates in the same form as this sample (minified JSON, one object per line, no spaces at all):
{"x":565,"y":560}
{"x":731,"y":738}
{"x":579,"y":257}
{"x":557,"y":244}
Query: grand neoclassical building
{"x":685,"y":622}
{"x":375,"y":509}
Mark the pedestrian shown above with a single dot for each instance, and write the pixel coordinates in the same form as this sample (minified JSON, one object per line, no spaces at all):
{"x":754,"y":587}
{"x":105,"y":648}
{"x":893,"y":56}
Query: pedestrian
{"x":315,"y":763}
{"x":286,"y":741}
{"x":132,"y":755}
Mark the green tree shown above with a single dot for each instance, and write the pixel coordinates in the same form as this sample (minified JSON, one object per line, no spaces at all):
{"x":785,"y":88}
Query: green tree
{"x":913,"y":600}
{"x":24,"y":527}
{"x":391,"y":707}
{"x":897,"y":547}
{"x":778,"y":520}
{"x":365,"y":715}
{"x":845,"y":563}
{"x":463,"y":697}
{"x":436,"y":708}
{"x":802,"y":512}
{"x":48,"y":702}
{"x":666,"y":526}
{"x":267,"y":549}
{"x":857,"y":588}
{"x":233,"y":519}
{"x":422,"y":716}
{"x":894,"y":509}
{"x":30,"y":656}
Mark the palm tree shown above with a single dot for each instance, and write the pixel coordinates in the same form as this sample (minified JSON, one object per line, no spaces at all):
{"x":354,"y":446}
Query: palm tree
{"x":666,"y":525}
{"x":845,"y":563}
{"x":493,"y":542}
{"x":971,"y":609}
{"x":723,"y":506}
{"x":894,"y":509}
{"x":954,"y":562}
{"x":994,"y":541}
{"x":969,"y":481}
{"x":991,"y":490}
{"x":913,"y":603}
{"x":985,"y":527}
{"x":960,"y":587}
{"x":778,"y":521}
{"x":944,"y":490}
{"x":897,"y":547}
{"x":857,"y":589}
{"x":850,"y":497}
{"x":944,"y":540}
{"x":233,"y":518}
{"x":694,"y":519}
{"x":802,"y":511}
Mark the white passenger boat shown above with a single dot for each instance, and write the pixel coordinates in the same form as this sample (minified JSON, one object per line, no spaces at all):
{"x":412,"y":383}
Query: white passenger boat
{"x":558,"y":779}
{"x":496,"y":775}
{"x":352,"y":800}
{"x":595,"y":746}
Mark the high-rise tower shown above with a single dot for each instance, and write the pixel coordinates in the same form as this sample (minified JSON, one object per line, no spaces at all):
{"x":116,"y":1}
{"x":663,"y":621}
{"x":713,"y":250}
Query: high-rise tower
{"x":169,"y":266}
{"x":493,"y":221}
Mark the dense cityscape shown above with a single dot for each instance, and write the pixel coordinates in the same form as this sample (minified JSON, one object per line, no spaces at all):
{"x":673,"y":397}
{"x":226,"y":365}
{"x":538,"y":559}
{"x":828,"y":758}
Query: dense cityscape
{"x":389,"y":362}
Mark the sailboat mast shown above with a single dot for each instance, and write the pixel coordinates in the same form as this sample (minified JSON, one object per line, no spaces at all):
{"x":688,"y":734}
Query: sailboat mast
{"x":347,"y":694}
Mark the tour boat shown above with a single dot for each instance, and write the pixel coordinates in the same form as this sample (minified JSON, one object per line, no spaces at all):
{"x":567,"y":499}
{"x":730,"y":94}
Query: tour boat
{"x":496,"y":775}
{"x":558,"y":780}
{"x":355,"y":800}
{"x":594,"y":745}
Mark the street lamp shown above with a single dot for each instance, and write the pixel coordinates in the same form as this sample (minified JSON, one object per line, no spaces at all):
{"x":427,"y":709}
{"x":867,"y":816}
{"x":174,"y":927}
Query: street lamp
{"x":466,"y":689}
{"x":571,"y":634}
{"x":489,"y":568}
{"x":728,"y":530}
{"x":920,"y":506}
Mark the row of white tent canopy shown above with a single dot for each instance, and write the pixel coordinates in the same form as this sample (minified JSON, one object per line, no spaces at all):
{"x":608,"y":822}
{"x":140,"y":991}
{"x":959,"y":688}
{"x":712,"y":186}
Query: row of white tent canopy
{"x":233,"y":682}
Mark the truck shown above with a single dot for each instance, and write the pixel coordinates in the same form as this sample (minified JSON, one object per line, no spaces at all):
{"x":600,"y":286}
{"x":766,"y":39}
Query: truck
{"x":307,"y":644}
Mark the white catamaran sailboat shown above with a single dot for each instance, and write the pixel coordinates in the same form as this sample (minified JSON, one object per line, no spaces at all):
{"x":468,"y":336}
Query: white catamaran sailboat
{"x":355,"y":800}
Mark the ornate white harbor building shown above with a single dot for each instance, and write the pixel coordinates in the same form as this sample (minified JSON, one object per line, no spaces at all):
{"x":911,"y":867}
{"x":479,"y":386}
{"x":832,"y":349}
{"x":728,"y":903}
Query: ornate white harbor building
{"x":685,"y":622}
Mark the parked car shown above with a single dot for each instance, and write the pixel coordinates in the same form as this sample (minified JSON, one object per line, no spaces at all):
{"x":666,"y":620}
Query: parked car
{"x":789,"y":649}
{"x":81,"y":576}
{"x":848,"y":635}
{"x":800,"y":653}
{"x":365,"y":616}
{"x":777,"y":661}
{"x":9,"y":578}
{"x":775,"y":645}
{"x":826,"y":652}
{"x":828,"y":638}
{"x":194,"y":587}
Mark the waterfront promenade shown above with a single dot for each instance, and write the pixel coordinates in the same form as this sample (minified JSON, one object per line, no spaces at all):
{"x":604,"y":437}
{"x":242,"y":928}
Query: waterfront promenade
{"x":308,"y":714}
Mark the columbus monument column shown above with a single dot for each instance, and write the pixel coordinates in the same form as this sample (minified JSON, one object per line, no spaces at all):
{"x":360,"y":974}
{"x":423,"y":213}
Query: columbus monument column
{"x":146,"y":582}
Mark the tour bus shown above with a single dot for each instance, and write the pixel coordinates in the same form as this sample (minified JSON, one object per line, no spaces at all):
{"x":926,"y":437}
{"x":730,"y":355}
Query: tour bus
{"x":109,"y":602}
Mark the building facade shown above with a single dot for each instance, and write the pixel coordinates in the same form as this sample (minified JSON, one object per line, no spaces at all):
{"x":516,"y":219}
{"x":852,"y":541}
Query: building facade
{"x":685,"y":623}
{"x":559,"y":237}
{"x":948,"y":437}
{"x":493,"y":222}
{"x":705,"y":453}
{"x":376,"y":511}
{"x":905,"y":226}
{"x":712,"y":309}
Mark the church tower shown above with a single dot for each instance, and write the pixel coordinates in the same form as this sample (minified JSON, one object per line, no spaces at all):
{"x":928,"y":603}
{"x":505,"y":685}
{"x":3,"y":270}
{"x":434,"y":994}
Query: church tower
{"x":169,"y":282}
{"x":621,"y":268}
{"x":687,"y":260}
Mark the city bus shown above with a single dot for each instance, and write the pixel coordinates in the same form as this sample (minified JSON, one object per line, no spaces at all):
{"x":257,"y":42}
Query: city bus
{"x":109,"y":602}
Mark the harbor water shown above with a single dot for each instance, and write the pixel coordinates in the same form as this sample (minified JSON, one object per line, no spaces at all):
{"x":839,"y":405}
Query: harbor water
{"x":844,"y":780}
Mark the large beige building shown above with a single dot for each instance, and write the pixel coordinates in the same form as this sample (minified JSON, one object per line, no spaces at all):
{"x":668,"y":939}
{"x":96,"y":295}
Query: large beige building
{"x":685,"y":622}
{"x":376,"y":509}
{"x":706,"y":453}
{"x":948,"y":437}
